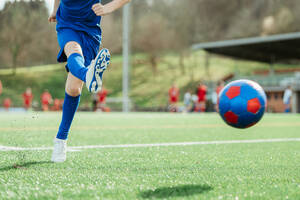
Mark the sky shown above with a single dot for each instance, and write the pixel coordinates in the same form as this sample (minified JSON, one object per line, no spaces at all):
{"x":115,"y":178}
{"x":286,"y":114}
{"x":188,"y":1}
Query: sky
{"x":48,"y":3}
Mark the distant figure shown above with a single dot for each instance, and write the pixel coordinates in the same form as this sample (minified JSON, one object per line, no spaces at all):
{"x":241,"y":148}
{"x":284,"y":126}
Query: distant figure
{"x":173,"y":98}
{"x":7,"y":103}
{"x":27,"y":98}
{"x":102,"y":99}
{"x":194,"y":102}
{"x":201,"y":93}
{"x":187,"y":101}
{"x":56,"y":105}
{"x":0,"y":87}
{"x":287,"y":98}
{"x":99,"y":100}
{"x":215,"y":95}
{"x":46,"y":99}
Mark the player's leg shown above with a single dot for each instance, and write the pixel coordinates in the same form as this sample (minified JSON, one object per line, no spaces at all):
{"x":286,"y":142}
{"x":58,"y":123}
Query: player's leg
{"x":70,"y":105}
{"x":91,"y":75}
{"x":75,"y":44}
{"x":73,"y":53}
{"x":96,"y":69}
{"x":75,"y":60}
{"x":72,"y":98}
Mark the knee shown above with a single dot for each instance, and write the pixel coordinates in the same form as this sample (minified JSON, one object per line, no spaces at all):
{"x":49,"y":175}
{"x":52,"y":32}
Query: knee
{"x":73,"y":90}
{"x":72,"y":47}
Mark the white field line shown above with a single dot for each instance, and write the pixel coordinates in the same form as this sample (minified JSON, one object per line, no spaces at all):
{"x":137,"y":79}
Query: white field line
{"x":78,"y":148}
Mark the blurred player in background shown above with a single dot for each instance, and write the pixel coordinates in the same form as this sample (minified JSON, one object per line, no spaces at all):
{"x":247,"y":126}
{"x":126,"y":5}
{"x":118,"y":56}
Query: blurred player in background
{"x":46,"y":100}
{"x":287,"y":98}
{"x":27,"y":98}
{"x":187,"y":101}
{"x":173,"y":98}
{"x":194,"y":102}
{"x":56,"y":105}
{"x":102,"y":99}
{"x":79,"y":36}
{"x":7,"y":103}
{"x":201,"y":93}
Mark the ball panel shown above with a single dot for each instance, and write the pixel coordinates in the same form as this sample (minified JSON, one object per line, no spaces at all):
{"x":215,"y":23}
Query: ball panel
{"x":246,"y":119}
{"x":238,"y":105}
{"x":262,"y":101}
{"x":224,"y":104}
{"x":233,"y":91}
{"x":258,"y":88}
{"x":231,"y":118}
{"x":252,"y":124}
{"x":253,"y":105}
{"x":260,"y":114}
{"x":248,"y":92}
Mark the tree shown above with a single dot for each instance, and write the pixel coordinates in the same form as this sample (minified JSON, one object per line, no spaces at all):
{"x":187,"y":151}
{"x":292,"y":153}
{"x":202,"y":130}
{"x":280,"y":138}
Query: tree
{"x":153,"y":36}
{"x":25,"y":33}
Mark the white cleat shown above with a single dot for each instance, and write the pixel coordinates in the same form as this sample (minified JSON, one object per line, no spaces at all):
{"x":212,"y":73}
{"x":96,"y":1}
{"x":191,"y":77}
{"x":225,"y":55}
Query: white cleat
{"x":95,"y":71}
{"x":59,"y":153}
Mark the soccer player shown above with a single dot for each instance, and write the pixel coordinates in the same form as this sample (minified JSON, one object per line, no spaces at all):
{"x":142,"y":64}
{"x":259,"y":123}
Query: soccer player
{"x":7,"y":103}
{"x":187,"y":101}
{"x":287,"y":97}
{"x":201,"y":93}
{"x":173,"y":98}
{"x":46,"y":99}
{"x":79,"y":36}
{"x":27,"y":98}
{"x":102,"y":97}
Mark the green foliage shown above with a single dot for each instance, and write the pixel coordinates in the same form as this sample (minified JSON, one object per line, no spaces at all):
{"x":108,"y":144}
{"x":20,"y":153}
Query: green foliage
{"x":15,"y":85}
{"x":147,"y":90}
{"x":25,"y":36}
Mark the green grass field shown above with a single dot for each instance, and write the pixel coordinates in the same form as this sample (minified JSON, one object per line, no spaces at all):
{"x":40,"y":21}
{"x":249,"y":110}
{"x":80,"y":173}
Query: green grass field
{"x":265,"y":170}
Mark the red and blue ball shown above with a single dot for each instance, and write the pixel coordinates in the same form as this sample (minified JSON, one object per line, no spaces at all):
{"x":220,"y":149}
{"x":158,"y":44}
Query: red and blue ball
{"x":242,"y":103}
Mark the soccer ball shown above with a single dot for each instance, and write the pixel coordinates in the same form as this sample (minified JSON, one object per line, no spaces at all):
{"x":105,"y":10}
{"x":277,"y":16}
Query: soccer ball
{"x":242,"y":103}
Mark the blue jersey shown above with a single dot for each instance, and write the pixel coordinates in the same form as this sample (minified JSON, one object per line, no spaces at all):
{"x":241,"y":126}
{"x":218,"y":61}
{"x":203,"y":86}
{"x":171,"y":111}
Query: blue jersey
{"x":79,"y":16}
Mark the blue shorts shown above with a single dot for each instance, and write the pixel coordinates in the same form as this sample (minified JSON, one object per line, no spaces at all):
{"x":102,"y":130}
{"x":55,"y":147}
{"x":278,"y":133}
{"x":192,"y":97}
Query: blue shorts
{"x":89,"y":44}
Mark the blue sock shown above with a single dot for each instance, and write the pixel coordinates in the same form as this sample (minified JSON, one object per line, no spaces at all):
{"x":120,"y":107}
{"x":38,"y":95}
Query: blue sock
{"x":76,"y":66}
{"x":69,"y":108}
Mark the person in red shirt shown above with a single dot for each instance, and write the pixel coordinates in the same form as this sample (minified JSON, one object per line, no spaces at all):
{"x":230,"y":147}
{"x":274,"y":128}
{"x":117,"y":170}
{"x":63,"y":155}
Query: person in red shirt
{"x":56,"y":105}
{"x":102,"y":96}
{"x":102,"y":99}
{"x":46,"y":99}
{"x":173,"y":98}
{"x":7,"y":103}
{"x":27,"y":98}
{"x":201,"y":93}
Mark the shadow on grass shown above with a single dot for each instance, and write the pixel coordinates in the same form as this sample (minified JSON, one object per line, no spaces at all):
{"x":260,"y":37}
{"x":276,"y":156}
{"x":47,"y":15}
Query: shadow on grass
{"x":24,"y":165}
{"x":176,"y":191}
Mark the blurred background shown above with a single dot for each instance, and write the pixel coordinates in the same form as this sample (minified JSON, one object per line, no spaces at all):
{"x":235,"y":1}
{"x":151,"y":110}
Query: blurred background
{"x":175,"y":63}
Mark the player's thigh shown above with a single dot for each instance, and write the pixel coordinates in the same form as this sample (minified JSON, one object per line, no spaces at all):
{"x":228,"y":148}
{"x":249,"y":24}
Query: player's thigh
{"x":72,"y":47}
{"x":73,"y":85}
